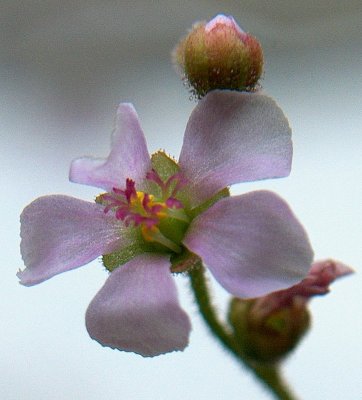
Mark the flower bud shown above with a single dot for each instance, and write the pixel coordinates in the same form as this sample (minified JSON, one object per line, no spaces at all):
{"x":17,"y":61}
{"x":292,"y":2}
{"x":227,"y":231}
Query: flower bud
{"x":268,"y":338}
{"x":269,"y":327}
{"x":219,"y":55}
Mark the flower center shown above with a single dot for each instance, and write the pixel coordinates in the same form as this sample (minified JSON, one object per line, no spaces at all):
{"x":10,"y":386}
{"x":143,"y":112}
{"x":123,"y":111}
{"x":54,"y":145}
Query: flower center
{"x":160,"y":216}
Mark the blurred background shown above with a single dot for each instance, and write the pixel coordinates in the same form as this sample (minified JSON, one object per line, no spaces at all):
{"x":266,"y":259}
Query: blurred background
{"x":64,"y":67}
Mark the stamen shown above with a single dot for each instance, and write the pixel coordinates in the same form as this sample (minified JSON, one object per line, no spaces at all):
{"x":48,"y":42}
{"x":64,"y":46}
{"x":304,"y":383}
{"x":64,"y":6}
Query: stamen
{"x":153,"y":176}
{"x":144,"y":210}
{"x":130,"y":189}
{"x":180,"y":182}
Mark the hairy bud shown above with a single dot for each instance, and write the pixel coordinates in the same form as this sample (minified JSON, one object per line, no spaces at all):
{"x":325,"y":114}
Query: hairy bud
{"x":269,"y":327}
{"x":219,"y":55}
{"x":268,"y":338}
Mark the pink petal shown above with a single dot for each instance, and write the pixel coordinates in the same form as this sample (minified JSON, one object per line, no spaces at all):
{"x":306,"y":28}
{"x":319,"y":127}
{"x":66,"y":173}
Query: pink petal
{"x":128,"y":158}
{"x":234,"y":137}
{"x":329,"y":270}
{"x":137,"y":309}
{"x":316,"y":283}
{"x":321,"y":275}
{"x":227,"y":21}
{"x":60,"y":233}
{"x":252,"y":244}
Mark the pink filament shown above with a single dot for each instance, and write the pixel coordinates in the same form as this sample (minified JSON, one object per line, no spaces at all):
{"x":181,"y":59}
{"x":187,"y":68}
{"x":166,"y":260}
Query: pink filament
{"x":122,"y":201}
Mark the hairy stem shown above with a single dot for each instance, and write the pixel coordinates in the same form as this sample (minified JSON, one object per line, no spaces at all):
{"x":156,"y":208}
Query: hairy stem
{"x":269,"y":375}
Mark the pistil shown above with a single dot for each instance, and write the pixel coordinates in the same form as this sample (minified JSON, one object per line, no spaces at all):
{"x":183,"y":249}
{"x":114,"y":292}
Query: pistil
{"x":153,"y":214}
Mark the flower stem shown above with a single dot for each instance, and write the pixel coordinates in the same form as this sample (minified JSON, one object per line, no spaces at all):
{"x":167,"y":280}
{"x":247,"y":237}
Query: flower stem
{"x":267,"y":374}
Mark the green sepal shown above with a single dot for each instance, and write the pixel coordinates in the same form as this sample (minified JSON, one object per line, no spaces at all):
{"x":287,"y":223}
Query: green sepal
{"x":99,"y":198}
{"x":210,"y":202}
{"x":164,"y":165}
{"x":138,"y":246}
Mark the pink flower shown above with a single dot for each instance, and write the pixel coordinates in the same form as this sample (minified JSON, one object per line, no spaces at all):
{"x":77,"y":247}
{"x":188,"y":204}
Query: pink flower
{"x":252,"y":243}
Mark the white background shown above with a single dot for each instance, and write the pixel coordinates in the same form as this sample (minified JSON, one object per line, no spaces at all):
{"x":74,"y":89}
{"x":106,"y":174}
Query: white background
{"x":64,"y":67}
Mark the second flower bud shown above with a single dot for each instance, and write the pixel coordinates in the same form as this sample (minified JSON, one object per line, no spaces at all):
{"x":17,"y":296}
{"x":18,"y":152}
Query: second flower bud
{"x":219,"y":55}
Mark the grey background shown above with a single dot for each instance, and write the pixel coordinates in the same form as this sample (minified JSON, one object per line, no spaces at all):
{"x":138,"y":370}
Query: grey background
{"x":64,"y":67}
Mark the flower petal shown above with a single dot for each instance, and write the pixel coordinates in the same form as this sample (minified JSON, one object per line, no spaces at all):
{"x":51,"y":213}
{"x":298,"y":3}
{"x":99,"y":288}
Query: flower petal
{"x":321,"y":275}
{"x":316,"y":283}
{"x":60,"y":233}
{"x":128,"y":158}
{"x":234,"y":137}
{"x":137,"y":309}
{"x":327,"y":271}
{"x":252,"y":244}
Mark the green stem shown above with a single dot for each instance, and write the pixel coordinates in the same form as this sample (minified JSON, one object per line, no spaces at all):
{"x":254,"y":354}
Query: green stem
{"x":269,"y":375}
